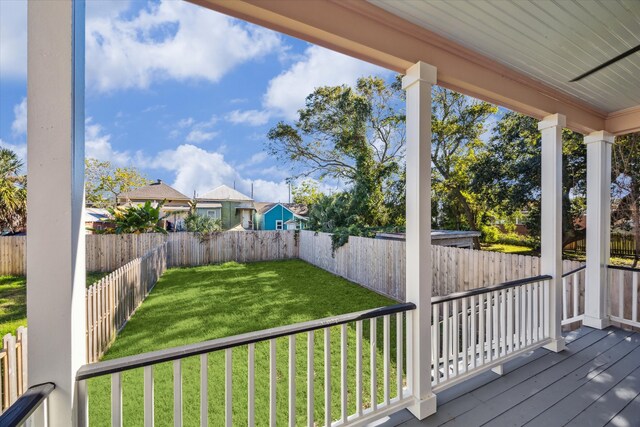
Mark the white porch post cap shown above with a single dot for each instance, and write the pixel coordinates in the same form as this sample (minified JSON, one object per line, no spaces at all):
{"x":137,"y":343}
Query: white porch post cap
{"x":552,"y":121}
{"x":598,"y":136}
{"x":420,"y":71}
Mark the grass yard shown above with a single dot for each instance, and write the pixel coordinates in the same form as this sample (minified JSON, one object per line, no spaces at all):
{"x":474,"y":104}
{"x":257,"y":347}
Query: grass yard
{"x":13,"y":301}
{"x":196,"y":304}
{"x":509,"y":249}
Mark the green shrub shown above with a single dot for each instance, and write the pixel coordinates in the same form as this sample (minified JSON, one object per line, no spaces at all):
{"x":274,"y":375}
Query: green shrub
{"x":489,"y":233}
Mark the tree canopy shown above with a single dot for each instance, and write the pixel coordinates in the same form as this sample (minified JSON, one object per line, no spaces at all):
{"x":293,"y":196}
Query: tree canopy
{"x":13,"y":193}
{"x":104,"y":182}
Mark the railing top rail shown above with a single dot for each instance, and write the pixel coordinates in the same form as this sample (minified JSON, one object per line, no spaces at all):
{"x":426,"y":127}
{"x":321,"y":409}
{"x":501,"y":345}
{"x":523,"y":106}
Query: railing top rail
{"x":167,"y":355}
{"x":574,"y":271}
{"x":621,"y":267}
{"x":21,"y":410}
{"x":479,"y":291}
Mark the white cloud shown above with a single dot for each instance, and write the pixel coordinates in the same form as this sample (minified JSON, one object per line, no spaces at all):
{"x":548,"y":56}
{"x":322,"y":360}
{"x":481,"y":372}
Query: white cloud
{"x":200,"y":170}
{"x":98,"y":145}
{"x":249,"y":117}
{"x":270,"y":191}
{"x":197,"y":132}
{"x":170,"y":40}
{"x":19,"y":149}
{"x":197,"y":136}
{"x":13,"y":39}
{"x":286,"y":92}
{"x":19,"y":125}
{"x":185,"y":123}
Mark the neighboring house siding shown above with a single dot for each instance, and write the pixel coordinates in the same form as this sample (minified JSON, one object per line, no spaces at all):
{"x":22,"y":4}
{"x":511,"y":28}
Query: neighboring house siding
{"x":268,"y":220}
{"x":215,"y":212}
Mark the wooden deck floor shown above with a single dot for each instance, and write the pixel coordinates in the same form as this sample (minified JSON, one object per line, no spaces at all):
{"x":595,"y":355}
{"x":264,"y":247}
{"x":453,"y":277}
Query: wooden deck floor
{"x":594,"y":382}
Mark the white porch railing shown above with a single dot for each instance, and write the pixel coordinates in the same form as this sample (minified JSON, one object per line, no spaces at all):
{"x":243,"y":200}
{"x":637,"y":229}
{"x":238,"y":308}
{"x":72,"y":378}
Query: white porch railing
{"x":390,"y":403}
{"x":573,"y":295}
{"x":481,"y":329}
{"x":623,"y":295}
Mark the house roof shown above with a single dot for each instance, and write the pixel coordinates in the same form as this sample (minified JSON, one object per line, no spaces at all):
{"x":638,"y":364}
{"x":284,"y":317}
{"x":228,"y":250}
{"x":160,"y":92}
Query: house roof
{"x":156,"y":191}
{"x":96,"y":215}
{"x":298,"y":209}
{"x":225,"y":192}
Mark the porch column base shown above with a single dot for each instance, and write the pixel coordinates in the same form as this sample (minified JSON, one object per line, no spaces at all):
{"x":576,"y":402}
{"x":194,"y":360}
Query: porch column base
{"x":423,"y":408}
{"x":557,"y":345}
{"x":596,"y":323}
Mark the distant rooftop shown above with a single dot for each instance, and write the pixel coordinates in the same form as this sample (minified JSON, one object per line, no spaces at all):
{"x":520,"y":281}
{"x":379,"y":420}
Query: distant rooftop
{"x":225,"y":192}
{"x":297,"y":208}
{"x":156,"y":191}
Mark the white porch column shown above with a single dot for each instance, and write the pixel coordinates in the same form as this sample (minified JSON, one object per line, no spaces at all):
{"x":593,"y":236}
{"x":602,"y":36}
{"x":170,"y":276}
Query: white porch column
{"x":55,"y":231}
{"x":598,"y":228}
{"x":417,"y":83}
{"x":551,"y":223}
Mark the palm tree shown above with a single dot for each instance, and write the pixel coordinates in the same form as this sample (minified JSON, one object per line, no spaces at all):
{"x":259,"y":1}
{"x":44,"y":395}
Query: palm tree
{"x":13,"y":193}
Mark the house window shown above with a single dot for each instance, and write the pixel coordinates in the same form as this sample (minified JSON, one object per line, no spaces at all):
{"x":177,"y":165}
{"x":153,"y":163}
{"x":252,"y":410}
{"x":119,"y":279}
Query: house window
{"x":278,"y":224}
{"x":213,"y":213}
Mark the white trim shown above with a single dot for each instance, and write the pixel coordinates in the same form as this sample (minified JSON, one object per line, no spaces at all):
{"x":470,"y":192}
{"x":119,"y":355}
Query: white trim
{"x":281,"y":224}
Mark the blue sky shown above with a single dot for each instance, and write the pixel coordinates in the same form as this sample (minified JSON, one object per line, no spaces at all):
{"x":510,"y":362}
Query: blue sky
{"x":183,"y":93}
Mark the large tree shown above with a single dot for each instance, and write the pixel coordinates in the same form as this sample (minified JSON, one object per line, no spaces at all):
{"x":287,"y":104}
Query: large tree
{"x":507,"y":174}
{"x":625,"y":177}
{"x":354,"y":135}
{"x":13,"y":193}
{"x":104,"y":182}
{"x":458,"y":122}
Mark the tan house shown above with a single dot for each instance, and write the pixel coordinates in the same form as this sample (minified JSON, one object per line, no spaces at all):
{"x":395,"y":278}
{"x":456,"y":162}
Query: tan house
{"x":176,"y":204}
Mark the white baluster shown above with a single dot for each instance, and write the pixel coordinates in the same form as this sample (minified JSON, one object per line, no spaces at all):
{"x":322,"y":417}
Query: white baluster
{"x":177,"y":393}
{"x":116,"y":399}
{"x":148,"y":396}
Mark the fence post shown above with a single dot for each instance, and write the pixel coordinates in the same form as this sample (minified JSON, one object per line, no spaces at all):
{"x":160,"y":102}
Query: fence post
{"x":9,"y":343}
{"x":24,"y":365}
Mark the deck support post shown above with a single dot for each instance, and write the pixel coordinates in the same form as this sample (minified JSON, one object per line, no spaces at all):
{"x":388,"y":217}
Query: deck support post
{"x":417,"y":83}
{"x":598,"y":228}
{"x":56,"y":236}
{"x":551,"y":225}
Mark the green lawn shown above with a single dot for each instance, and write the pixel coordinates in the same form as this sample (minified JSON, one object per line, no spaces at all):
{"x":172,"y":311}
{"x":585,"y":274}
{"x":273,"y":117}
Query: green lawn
{"x":197,"y":304}
{"x":13,"y":301}
{"x":508,"y":249}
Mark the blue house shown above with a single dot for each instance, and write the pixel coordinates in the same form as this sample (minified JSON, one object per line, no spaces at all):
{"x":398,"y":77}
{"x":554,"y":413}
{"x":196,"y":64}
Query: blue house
{"x":281,"y":216}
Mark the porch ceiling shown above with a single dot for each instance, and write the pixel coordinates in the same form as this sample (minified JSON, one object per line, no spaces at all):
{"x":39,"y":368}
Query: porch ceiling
{"x":552,"y":42}
{"x":518,"y":55}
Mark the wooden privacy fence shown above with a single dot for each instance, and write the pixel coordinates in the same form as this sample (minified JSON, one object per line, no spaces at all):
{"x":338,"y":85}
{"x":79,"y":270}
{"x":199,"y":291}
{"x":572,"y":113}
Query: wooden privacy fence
{"x":13,"y":259}
{"x":13,"y":363}
{"x":186,"y":249}
{"x":107,"y":252}
{"x":380,"y":265}
{"x":112,"y":301}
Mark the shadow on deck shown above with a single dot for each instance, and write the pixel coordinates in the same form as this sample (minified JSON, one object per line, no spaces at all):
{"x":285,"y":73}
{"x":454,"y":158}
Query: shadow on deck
{"x":594,"y":382}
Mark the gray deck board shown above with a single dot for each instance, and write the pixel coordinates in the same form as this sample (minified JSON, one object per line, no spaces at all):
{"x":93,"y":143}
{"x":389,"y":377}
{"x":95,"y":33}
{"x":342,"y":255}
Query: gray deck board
{"x":566,"y":398}
{"x":629,"y":415}
{"x":594,"y":382}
